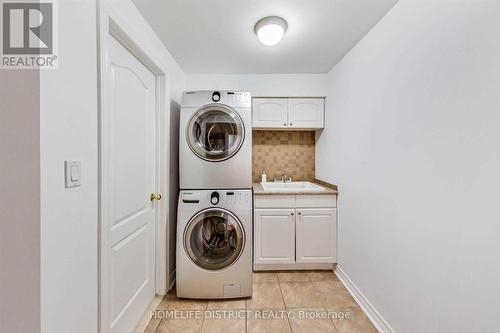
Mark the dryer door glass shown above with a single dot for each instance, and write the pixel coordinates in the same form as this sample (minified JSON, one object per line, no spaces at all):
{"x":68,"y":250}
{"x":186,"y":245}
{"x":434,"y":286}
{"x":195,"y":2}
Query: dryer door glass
{"x":215,"y":133}
{"x":214,"y":239}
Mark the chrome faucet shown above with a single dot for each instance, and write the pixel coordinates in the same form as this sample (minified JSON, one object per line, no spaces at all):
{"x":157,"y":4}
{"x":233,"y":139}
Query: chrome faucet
{"x":284,"y":179}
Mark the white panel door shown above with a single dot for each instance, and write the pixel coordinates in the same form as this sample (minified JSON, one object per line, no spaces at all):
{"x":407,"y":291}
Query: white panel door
{"x":274,"y":237}
{"x":316,"y":234}
{"x":128,"y":179}
{"x":306,"y":112}
{"x":269,"y":112}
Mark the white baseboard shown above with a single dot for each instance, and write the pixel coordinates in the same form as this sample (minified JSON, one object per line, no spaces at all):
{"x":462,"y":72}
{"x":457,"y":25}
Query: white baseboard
{"x":376,"y":318}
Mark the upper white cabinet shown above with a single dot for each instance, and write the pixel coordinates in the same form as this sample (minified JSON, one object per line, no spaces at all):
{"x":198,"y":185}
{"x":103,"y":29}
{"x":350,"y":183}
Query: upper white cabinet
{"x":270,"y":112}
{"x":288,"y":113}
{"x":306,"y":112}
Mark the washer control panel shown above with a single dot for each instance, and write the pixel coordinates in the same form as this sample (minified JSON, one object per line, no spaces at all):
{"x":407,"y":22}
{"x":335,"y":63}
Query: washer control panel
{"x":238,"y":199}
{"x":214,"y":198}
{"x":229,"y":199}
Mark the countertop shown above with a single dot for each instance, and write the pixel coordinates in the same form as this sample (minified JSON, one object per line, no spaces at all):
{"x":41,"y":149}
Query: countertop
{"x":258,"y":190}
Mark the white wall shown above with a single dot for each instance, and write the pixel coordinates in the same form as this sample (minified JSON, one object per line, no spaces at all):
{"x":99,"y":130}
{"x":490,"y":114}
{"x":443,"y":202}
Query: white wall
{"x":19,"y":201}
{"x":69,"y":130}
{"x":275,"y":85}
{"x":412,"y":139}
{"x":68,"y":117}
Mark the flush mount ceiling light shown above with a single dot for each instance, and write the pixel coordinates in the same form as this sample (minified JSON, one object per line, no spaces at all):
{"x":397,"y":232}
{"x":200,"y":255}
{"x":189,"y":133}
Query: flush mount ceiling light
{"x":270,"y":30}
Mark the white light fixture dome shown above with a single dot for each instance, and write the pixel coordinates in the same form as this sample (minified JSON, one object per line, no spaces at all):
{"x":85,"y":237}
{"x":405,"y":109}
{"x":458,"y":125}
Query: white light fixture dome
{"x":270,"y":30}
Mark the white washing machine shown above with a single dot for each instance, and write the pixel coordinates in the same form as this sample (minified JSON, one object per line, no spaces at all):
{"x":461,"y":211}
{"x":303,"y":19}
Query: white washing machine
{"x":214,"y":244}
{"x":215,"y":140}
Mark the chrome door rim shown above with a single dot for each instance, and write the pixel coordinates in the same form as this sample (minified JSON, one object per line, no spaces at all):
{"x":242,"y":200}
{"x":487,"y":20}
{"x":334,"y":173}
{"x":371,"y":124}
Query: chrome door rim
{"x":195,"y":259}
{"x":197,"y":148}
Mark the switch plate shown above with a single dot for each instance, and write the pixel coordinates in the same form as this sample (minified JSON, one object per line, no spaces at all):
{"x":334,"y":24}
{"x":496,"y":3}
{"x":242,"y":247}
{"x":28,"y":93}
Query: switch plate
{"x":73,"y":173}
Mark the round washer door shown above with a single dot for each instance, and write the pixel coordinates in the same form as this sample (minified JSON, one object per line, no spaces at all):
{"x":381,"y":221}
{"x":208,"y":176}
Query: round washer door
{"x":215,"y":132}
{"x":214,"y":239}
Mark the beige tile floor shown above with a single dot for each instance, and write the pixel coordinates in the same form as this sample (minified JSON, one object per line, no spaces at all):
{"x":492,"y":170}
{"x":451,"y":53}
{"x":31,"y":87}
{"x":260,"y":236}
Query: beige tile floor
{"x":295,"y":302}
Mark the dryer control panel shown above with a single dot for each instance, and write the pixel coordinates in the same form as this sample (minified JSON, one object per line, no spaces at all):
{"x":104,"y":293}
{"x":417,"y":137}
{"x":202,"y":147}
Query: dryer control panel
{"x":229,"y":199}
{"x":234,"y":99}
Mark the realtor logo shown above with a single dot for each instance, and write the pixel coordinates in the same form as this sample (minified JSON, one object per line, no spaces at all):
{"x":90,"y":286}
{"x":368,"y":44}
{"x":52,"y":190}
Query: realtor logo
{"x":28,"y":39}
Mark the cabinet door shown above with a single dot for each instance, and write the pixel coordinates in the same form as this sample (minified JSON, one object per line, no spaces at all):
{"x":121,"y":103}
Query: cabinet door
{"x":316,"y":234}
{"x":306,"y":113}
{"x":269,"y":112}
{"x":274,"y":238}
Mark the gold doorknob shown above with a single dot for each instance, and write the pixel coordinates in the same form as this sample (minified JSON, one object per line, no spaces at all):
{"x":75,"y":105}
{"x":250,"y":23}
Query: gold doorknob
{"x":155,"y":196}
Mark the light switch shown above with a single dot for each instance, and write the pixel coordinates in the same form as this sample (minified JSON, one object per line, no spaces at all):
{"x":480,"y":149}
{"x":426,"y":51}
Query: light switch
{"x":73,"y":173}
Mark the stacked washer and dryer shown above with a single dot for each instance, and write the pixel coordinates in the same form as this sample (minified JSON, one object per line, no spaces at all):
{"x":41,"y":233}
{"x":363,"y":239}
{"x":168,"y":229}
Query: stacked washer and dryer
{"x":214,"y":218}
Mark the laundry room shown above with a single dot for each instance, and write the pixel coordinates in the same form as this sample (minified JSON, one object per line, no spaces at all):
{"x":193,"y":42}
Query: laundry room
{"x":249,"y":166}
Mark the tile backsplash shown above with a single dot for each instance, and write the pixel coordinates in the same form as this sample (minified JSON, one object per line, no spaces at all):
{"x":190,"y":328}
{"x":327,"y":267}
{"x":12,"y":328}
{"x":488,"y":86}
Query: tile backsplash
{"x":280,"y":152}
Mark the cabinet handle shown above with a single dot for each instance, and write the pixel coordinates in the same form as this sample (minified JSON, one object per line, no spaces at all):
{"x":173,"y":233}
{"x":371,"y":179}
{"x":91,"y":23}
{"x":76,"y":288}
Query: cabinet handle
{"x":299,"y":213}
{"x":284,"y":124}
{"x":292,"y":214}
{"x":291,"y":124}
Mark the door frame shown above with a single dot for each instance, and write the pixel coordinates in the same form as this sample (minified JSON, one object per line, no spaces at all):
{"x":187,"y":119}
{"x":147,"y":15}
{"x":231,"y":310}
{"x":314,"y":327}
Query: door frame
{"x":122,"y":20}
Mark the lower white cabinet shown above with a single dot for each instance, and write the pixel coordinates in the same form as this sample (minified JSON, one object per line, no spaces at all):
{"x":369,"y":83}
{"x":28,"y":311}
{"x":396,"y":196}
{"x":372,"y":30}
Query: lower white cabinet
{"x":275,"y":232}
{"x":316,"y":235}
{"x":295,"y":237}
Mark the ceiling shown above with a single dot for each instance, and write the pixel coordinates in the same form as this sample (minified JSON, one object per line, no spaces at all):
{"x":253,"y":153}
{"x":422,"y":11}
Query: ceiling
{"x":216,"y":36}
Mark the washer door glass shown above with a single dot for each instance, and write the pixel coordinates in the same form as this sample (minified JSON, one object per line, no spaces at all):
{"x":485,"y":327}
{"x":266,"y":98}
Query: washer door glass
{"x":215,"y":132}
{"x":214,"y":239}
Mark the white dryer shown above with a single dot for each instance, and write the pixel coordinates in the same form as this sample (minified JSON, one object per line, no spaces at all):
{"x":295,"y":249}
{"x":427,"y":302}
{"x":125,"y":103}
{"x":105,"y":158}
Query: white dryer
{"x":214,"y":244}
{"x":215,"y":140}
